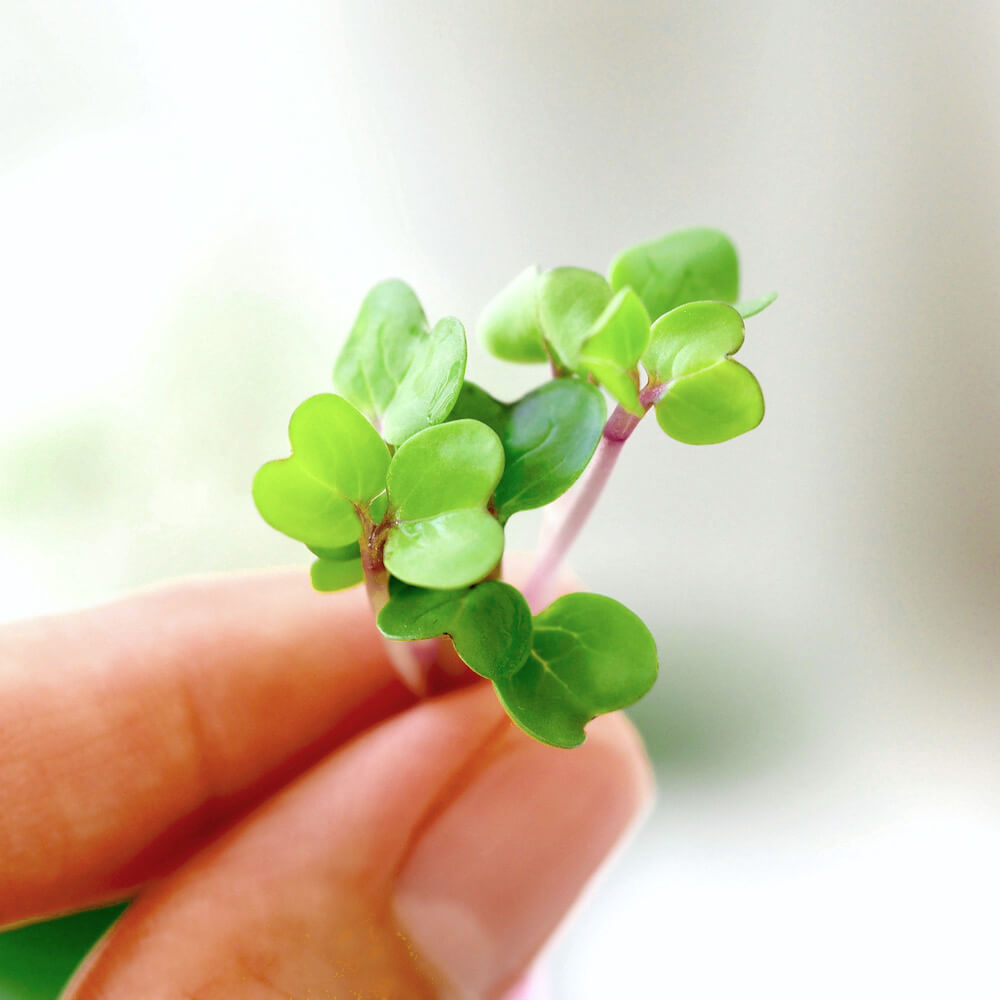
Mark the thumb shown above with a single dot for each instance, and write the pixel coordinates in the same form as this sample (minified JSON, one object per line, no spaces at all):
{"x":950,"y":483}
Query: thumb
{"x":429,"y":858}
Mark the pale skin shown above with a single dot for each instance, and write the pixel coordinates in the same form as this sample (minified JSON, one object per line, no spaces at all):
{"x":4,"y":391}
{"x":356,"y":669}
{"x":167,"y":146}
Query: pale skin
{"x":240,"y":756}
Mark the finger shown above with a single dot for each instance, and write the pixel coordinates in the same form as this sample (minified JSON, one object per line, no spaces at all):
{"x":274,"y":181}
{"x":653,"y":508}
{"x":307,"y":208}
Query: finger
{"x":431,"y":857}
{"x":129,"y":731}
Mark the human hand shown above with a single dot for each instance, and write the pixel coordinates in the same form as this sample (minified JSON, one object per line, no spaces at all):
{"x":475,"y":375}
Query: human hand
{"x":240,"y":754}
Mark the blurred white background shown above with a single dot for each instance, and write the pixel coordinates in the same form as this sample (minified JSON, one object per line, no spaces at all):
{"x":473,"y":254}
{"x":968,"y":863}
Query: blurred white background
{"x":195,"y":196}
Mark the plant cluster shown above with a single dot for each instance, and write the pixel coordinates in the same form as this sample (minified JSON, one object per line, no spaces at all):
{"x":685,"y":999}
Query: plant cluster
{"x":405,"y":478}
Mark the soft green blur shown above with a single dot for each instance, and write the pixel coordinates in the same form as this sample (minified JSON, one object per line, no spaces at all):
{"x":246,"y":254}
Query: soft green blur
{"x":36,"y":962}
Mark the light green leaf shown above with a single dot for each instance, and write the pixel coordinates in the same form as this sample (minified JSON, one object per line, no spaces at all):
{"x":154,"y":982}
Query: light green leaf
{"x":474,"y":403}
{"x":750,"y":307}
{"x":684,"y":266}
{"x":716,"y":404}
{"x":490,"y":624}
{"x":380,"y":347}
{"x":328,"y":576}
{"x":449,"y":550}
{"x":570,"y":300}
{"x":692,"y":337}
{"x":508,"y":326}
{"x":336,"y":568}
{"x":614,"y":345}
{"x":402,"y":375}
{"x":453,"y":466}
{"x":430,"y":386}
{"x":440,"y":483}
{"x":548,"y":438}
{"x":341,"y":553}
{"x":296,"y":504}
{"x":709,"y":397}
{"x":590,"y":655}
{"x":338,"y":465}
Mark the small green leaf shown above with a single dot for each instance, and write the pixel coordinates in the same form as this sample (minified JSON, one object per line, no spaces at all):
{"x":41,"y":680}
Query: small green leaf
{"x":692,"y":337}
{"x":750,"y":307}
{"x":430,"y":386}
{"x":338,"y":464}
{"x":684,"y":266}
{"x":590,"y":655}
{"x":490,"y":624}
{"x":452,"y":549}
{"x":474,"y":403}
{"x":548,"y":438}
{"x":336,"y":568}
{"x":709,"y":397}
{"x":614,"y":345}
{"x":342,"y":553}
{"x":717,"y":404}
{"x":380,"y":347}
{"x":328,"y":576}
{"x":400,"y":374}
{"x":508,"y":326}
{"x":440,"y":483}
{"x":296,"y":504}
{"x":570,"y":300}
{"x":453,"y":466}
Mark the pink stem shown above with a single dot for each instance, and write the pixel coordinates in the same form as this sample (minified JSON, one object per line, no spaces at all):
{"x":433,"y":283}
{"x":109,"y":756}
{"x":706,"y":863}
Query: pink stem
{"x":584,"y":497}
{"x":412,"y":660}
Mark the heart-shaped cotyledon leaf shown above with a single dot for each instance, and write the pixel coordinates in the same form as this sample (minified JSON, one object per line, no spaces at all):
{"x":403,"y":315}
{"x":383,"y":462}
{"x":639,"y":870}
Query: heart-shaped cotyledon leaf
{"x":440,"y":483}
{"x":590,"y":655}
{"x":508,"y":326}
{"x":615,"y":343}
{"x":337,"y":469}
{"x":570,"y":300}
{"x":490,"y":623}
{"x":709,"y":398}
{"x":548,"y":438}
{"x":685,"y":266}
{"x":336,"y":568}
{"x":402,"y":375}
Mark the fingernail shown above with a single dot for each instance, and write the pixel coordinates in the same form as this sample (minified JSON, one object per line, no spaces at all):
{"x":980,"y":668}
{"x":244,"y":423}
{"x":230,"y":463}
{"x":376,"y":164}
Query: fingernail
{"x":495,"y":872}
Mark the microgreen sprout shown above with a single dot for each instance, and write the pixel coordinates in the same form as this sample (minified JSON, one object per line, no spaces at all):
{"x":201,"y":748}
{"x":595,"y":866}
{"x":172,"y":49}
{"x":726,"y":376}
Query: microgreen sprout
{"x":405,"y":478}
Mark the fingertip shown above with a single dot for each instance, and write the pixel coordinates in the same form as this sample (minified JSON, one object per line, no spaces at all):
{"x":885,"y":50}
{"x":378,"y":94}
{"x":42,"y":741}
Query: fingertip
{"x":496,"y":871}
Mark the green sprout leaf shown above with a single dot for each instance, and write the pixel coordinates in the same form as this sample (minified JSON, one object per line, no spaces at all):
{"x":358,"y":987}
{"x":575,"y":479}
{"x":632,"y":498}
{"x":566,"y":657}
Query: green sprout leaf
{"x":685,"y":266}
{"x":399,"y":373}
{"x":329,"y":576}
{"x":338,"y":466}
{"x":508,"y":326}
{"x":490,"y":624}
{"x":475,"y":403}
{"x":440,"y":483}
{"x":336,"y":568}
{"x":548,"y":438}
{"x":616,"y":341}
{"x":380,"y":347}
{"x":589,"y":655}
{"x":750,"y":307}
{"x":430,"y":386}
{"x":341,"y":553}
{"x":709,"y":397}
{"x":570,"y":300}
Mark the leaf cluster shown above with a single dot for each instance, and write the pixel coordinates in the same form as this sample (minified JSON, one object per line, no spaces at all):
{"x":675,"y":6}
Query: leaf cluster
{"x":406,"y":476}
{"x":648,"y":333}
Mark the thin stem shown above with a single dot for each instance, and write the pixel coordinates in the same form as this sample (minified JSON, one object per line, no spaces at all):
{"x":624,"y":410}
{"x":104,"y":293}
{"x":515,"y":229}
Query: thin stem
{"x":376,"y":581}
{"x":412,"y":660}
{"x":584,"y":496}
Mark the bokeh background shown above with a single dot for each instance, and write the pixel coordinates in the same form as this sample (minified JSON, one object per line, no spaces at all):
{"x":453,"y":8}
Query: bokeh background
{"x":195,"y":196}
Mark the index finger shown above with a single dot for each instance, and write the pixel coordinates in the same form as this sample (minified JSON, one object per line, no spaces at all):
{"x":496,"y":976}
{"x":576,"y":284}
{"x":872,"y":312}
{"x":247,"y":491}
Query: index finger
{"x":130,"y":731}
